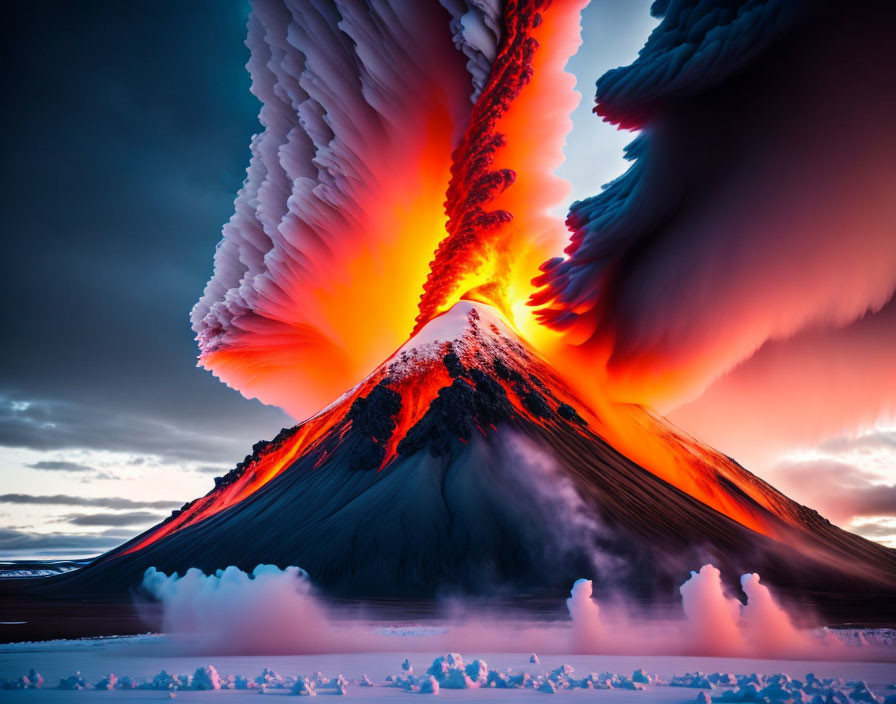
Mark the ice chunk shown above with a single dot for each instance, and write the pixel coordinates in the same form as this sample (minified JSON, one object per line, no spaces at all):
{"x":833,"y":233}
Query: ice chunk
{"x":477,"y":671}
{"x":696,"y":680}
{"x":442,"y":664}
{"x":561,"y":673}
{"x":72,"y":682}
{"x":498,"y":680}
{"x":206,"y":678}
{"x":108,"y":682}
{"x":521,"y":681}
{"x":723,"y":679}
{"x":30,"y":681}
{"x":126,"y":683}
{"x":456,"y":679}
{"x":862,"y":693}
{"x":429,"y":686}
{"x":547,"y":687}
{"x":640,"y":675}
{"x":448,"y":669}
{"x":533,"y":658}
{"x":405,"y":683}
{"x":625,"y":683}
{"x":269,"y":678}
{"x":303,"y":688}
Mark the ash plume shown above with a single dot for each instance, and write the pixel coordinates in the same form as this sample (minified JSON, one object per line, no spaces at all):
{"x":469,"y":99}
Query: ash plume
{"x":757,"y":215}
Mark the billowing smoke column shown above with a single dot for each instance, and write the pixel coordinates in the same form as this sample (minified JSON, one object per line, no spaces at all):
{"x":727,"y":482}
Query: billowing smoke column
{"x":755,"y":225}
{"x":319,"y":270}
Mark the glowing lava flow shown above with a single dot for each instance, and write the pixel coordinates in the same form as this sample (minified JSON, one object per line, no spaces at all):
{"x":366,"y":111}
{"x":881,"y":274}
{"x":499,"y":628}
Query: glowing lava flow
{"x":272,"y":462}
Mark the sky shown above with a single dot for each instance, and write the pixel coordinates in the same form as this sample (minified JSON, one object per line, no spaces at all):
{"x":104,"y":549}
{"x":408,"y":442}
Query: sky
{"x":130,"y":138}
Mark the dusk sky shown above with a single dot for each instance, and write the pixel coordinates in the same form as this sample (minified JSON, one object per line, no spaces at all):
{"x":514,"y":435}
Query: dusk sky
{"x":129,"y":139}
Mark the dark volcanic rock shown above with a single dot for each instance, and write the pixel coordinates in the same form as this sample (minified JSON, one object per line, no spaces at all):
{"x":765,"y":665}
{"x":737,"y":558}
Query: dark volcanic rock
{"x":453,"y":364}
{"x":506,"y":373}
{"x":373,"y":422}
{"x":567,"y":412}
{"x":536,"y":404}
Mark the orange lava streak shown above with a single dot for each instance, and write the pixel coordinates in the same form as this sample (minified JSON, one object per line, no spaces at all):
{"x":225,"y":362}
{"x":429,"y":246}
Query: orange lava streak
{"x":270,"y":465}
{"x":417,"y":392}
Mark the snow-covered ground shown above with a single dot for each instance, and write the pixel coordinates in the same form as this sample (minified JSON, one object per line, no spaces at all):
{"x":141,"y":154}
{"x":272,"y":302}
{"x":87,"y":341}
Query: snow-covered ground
{"x":143,"y":657}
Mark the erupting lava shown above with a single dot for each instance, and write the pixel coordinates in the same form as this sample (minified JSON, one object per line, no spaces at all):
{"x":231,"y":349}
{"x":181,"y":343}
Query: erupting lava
{"x":502,"y":180}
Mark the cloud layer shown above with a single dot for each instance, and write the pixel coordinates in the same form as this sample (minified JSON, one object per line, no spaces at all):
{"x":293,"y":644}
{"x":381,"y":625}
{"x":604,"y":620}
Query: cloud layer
{"x":68,"y":500}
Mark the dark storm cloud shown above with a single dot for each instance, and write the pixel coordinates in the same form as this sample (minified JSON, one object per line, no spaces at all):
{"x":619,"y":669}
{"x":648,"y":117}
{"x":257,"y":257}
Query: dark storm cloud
{"x":113,"y":502}
{"x":210,"y":469}
{"x":60,"y":466}
{"x":757,"y":212}
{"x":131,"y":126}
{"x":131,"y":518}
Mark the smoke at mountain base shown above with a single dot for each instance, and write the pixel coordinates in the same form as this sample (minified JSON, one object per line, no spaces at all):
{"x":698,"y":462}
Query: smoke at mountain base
{"x":274,"y":611}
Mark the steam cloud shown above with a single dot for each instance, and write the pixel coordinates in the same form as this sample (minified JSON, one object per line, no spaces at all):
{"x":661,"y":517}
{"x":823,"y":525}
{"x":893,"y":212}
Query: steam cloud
{"x":274,"y":611}
{"x":586,"y":628}
{"x":715,"y":623}
{"x":754,"y":224}
{"x":712,"y":617}
{"x":271,"y":610}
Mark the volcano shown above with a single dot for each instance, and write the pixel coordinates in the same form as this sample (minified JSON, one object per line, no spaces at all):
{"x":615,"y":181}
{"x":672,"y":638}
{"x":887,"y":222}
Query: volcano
{"x":466,"y":465}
